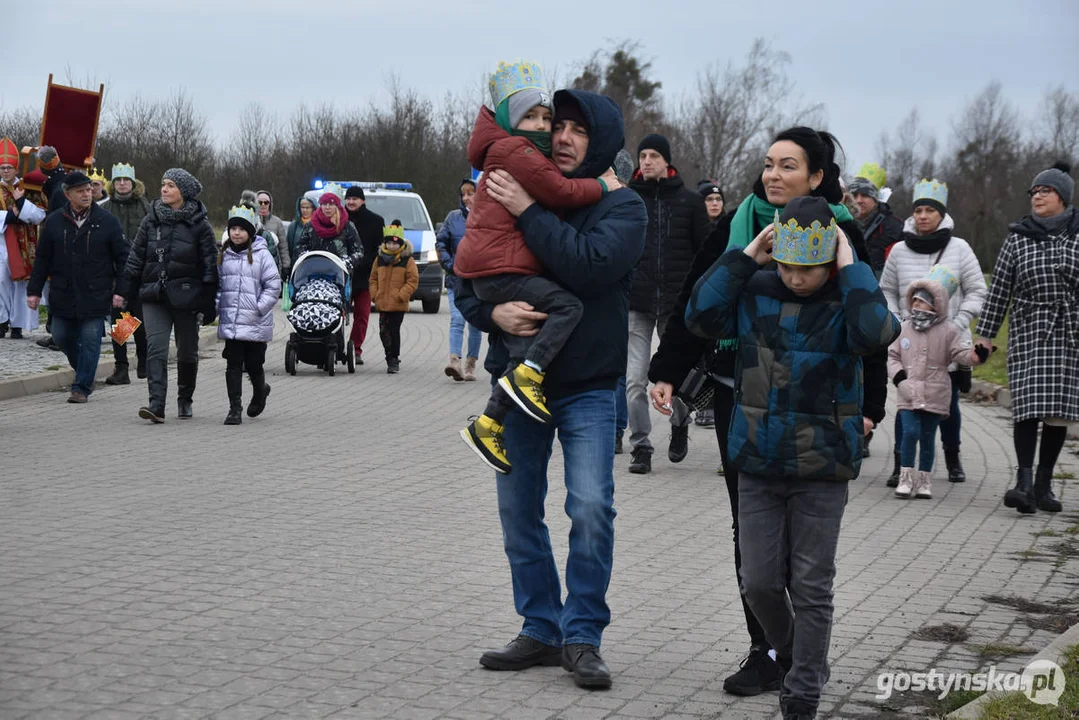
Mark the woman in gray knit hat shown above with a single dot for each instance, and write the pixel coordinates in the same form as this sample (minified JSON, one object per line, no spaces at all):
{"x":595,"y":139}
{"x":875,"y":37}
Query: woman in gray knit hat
{"x":1036,"y":276}
{"x":173,"y":260}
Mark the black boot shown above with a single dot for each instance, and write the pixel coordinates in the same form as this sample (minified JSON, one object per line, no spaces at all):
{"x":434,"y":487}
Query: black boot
{"x":893,"y":479}
{"x":186,"y":374}
{"x":640,"y":462}
{"x":260,"y":393}
{"x":522,"y":652}
{"x":1021,"y":497}
{"x":16,"y":333}
{"x":955,"y":465}
{"x":140,"y":369}
{"x":1043,"y":490}
{"x":234,"y":384}
{"x":3,"y":329}
{"x":119,"y":376}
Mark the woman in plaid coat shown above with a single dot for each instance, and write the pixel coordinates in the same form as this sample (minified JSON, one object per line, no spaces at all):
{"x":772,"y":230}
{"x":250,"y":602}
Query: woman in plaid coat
{"x":1037,"y":277}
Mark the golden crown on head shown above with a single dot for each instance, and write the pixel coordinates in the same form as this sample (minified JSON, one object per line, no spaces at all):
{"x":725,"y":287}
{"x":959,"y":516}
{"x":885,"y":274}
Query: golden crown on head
{"x":97,"y":176}
{"x":509,"y":78}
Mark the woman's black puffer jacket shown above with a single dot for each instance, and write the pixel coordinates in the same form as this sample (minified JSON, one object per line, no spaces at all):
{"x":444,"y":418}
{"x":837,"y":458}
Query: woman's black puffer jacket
{"x":174,"y":245}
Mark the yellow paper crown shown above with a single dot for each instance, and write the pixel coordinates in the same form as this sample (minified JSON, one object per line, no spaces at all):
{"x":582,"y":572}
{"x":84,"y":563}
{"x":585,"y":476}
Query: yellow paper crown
{"x":393,"y":231}
{"x":873,"y":173}
{"x":510,"y":78}
{"x":97,"y":176}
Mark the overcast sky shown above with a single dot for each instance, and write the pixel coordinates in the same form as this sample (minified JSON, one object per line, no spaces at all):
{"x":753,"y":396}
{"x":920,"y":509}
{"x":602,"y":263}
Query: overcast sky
{"x":868,"y":62}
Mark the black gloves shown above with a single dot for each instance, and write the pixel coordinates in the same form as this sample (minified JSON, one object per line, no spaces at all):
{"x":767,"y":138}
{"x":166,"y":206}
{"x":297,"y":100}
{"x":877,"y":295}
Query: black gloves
{"x":982,"y":352}
{"x":899,"y":377}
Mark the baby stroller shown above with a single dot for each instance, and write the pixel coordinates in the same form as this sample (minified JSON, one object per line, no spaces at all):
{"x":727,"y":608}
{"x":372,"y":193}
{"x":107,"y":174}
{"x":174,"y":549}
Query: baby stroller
{"x":320,"y":291}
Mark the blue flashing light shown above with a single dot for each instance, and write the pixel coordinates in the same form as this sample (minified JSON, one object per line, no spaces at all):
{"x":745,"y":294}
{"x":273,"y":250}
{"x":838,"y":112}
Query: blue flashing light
{"x":366,"y":185}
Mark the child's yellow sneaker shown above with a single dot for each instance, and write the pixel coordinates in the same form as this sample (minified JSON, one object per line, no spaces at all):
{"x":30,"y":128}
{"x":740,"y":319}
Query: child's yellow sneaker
{"x":525,"y":386}
{"x":484,"y":436}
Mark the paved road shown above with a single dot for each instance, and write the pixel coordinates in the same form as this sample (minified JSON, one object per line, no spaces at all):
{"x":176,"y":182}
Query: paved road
{"x":340,"y":556}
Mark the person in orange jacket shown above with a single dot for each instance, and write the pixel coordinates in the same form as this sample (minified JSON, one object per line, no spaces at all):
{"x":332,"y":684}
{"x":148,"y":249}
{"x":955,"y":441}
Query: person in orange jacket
{"x":394,"y":278}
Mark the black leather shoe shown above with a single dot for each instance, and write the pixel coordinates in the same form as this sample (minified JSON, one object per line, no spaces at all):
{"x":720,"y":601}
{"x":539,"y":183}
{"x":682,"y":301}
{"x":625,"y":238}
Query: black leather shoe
{"x":522,"y":652}
{"x":589,"y":670}
{"x":618,"y":444}
{"x":119,"y":376}
{"x":153,"y":413}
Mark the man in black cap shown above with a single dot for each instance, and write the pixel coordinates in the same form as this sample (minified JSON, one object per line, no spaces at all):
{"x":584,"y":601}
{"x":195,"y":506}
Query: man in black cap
{"x":369,"y":226}
{"x":677,"y":227}
{"x":87,"y":277}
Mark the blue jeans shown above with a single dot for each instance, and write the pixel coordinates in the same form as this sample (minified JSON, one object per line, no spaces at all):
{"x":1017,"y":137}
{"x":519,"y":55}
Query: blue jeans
{"x":950,"y":428}
{"x":81,"y":342}
{"x":919,"y":430}
{"x":621,"y":407}
{"x":457,"y":331}
{"x":585,"y":425}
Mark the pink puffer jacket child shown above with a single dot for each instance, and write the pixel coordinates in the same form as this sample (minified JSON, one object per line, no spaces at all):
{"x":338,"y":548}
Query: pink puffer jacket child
{"x":923,"y":356}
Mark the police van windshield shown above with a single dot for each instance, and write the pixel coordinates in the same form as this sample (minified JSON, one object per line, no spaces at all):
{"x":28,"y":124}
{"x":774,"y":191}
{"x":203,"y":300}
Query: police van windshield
{"x":408,"y":210}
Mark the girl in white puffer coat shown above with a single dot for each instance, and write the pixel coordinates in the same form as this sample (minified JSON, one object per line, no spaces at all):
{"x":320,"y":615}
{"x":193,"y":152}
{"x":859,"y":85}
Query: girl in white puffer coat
{"x":248,"y":290}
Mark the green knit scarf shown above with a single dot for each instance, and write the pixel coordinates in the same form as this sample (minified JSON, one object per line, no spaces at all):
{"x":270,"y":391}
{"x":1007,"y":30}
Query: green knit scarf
{"x":754,"y":213}
{"x":542,"y":140}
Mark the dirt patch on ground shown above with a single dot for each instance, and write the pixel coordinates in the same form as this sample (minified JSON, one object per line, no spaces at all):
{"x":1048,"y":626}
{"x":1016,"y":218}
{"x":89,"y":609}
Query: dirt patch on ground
{"x":1028,"y":606}
{"x":946,"y":633}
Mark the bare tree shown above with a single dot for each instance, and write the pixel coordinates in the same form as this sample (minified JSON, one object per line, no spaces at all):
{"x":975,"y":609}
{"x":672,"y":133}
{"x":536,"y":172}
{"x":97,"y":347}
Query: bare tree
{"x":907,"y":158}
{"x":724,"y":127}
{"x":1058,"y":123}
{"x":22,"y":125}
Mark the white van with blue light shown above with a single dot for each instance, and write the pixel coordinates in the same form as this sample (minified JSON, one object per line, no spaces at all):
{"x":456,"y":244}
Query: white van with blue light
{"x":396,"y":201}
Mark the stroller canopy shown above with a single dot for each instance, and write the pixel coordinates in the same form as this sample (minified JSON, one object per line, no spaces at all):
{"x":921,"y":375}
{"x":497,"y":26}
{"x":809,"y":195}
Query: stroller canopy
{"x":322,"y":265}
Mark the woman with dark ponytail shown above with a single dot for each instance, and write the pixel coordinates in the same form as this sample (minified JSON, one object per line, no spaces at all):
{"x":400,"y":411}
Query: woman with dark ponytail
{"x":801,"y":161}
{"x":1035,"y":277}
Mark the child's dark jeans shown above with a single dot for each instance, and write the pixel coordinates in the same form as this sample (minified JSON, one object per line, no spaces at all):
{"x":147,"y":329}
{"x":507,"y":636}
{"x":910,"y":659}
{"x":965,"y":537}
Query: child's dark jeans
{"x":919,"y":431}
{"x":563,"y":313}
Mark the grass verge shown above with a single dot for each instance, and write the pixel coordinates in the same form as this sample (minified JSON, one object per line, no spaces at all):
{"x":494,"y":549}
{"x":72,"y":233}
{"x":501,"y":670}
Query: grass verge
{"x":1016,"y":706}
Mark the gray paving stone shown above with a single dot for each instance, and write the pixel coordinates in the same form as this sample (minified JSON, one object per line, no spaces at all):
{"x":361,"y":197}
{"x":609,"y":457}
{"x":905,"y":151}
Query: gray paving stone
{"x":311,"y":563}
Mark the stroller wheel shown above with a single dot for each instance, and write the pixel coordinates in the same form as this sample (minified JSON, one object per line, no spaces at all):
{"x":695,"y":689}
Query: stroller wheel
{"x":290,"y":359}
{"x":351,"y":358}
{"x":331,"y":361}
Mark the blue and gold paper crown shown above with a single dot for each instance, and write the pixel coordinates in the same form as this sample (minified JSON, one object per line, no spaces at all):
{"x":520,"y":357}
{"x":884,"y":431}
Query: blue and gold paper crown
{"x":943,"y":275}
{"x":244,"y":213}
{"x":123,"y":170}
{"x":873,"y":173}
{"x":931,"y":190}
{"x":797,"y":245}
{"x":333,"y":188}
{"x":510,"y":78}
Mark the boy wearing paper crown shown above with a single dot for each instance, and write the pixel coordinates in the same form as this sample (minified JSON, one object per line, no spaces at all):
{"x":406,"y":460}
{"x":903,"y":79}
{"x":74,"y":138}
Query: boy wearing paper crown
{"x":918,"y":365}
{"x":796,"y":432}
{"x":127,"y":203}
{"x":516,"y":137}
{"x":394,"y":277}
{"x":248,"y":287}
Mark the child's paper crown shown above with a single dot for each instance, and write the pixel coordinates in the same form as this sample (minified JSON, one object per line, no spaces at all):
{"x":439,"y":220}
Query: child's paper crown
{"x":943,"y":275}
{"x":806,"y":233}
{"x":514,"y":77}
{"x":97,"y":176}
{"x":243,"y":213}
{"x":393,"y":231}
{"x":335,"y":189}
{"x":931,"y":190}
{"x":123,"y":170}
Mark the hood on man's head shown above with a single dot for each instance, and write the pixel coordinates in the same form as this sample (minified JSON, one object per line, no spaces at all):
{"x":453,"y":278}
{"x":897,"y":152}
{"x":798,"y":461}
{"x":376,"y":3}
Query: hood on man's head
{"x":606,"y":132}
{"x":267,"y":194}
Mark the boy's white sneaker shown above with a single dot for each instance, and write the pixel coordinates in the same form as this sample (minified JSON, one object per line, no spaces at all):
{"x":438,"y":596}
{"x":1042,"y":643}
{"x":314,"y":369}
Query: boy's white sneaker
{"x":923,"y":485}
{"x":906,"y":482}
